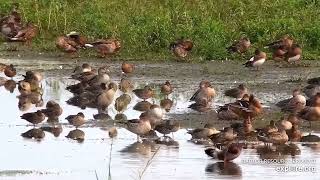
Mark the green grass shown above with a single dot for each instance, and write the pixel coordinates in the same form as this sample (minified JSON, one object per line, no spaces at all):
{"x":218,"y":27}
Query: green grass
{"x":146,"y":27}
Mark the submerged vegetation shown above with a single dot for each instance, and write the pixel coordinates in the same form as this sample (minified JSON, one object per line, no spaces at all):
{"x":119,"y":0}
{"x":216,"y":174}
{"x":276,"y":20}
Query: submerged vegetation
{"x":146,"y":27}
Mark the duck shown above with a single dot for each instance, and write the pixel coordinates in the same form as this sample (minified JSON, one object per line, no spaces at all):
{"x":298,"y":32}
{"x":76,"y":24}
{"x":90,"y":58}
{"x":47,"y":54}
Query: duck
{"x":237,"y":92}
{"x":34,"y":117}
{"x":76,"y":134}
{"x":126,"y":85}
{"x":85,"y":67}
{"x":101,"y":77}
{"x":315,"y":81}
{"x":205,"y":94}
{"x":26,"y":34}
{"x":24,"y":88}
{"x":142,"y":106}
{"x":235,"y":110}
{"x":104,"y":99}
{"x":85,"y":76}
{"x":11,"y":24}
{"x":71,"y":42}
{"x":224,"y":137}
{"x":122,"y":102}
{"x":294,"y":133}
{"x":294,"y":104}
{"x":112,"y":132}
{"x":284,"y":124}
{"x":310,"y":138}
{"x":227,"y":154}
{"x":53,"y":110}
{"x":76,"y":120}
{"x":294,"y":54}
{"x":285,"y":42}
{"x":279,"y":53}
{"x":145,"y":93}
{"x":127,"y":68}
{"x":33,"y":77}
{"x":166,"y":88}
{"x":240,"y":46}
{"x":10,"y":71}
{"x":314,"y":100}
{"x":311,"y":90}
{"x":181,"y":47}
{"x":203,"y":133}
{"x":78,"y":88}
{"x":154,"y":114}
{"x":257,"y":60}
{"x":139,"y":126}
{"x":167,"y":127}
{"x":279,"y":137}
{"x":166,"y":104}
{"x":310,"y":114}
{"x":106,"y":47}
{"x":35,"y":133}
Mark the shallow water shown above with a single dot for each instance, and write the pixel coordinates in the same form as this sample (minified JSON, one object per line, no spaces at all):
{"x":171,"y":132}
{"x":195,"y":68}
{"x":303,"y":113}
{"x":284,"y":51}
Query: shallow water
{"x":61,"y":158}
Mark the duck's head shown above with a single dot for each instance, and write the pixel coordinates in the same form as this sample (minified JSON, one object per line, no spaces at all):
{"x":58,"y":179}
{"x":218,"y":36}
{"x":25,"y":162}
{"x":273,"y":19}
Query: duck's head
{"x":242,"y":86}
{"x":80,"y":114}
{"x":296,"y":92}
{"x":113,"y":86}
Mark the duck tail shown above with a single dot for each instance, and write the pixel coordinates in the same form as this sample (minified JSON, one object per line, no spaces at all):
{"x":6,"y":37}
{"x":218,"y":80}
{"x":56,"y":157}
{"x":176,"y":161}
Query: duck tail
{"x":212,"y":152}
{"x":88,"y":45}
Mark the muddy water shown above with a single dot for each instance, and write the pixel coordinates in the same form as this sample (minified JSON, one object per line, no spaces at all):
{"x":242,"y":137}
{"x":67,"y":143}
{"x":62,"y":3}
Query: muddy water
{"x":61,"y":158}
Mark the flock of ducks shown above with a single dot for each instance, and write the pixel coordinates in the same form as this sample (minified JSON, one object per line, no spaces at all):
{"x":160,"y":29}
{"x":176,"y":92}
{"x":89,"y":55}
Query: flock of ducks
{"x":13,"y":29}
{"x":95,"y":89}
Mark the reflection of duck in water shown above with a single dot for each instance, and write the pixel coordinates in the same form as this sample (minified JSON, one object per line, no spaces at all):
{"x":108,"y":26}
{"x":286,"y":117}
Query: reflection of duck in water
{"x":77,"y":135}
{"x":144,"y":148}
{"x":168,"y":141}
{"x":55,"y":130}
{"x":167,"y":127}
{"x":221,"y":168}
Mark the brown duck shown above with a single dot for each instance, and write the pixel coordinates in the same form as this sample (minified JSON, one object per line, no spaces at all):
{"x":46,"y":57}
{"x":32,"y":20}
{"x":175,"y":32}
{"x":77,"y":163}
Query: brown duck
{"x":203,"y":133}
{"x":285,"y":43}
{"x":71,"y":42}
{"x":205,"y":94}
{"x":77,"y":135}
{"x":127,"y":68}
{"x":229,"y":153}
{"x":76,"y":120}
{"x":237,"y":92}
{"x":181,"y":47}
{"x":144,"y":93}
{"x":166,"y":88}
{"x":257,"y":60}
{"x":10,"y":71}
{"x":34,"y":117}
{"x":126,"y":85}
{"x":106,"y":47}
{"x":122,"y":102}
{"x":53,"y":110}
{"x":104,"y":99}
{"x":26,"y":34}
{"x":241,"y":46}
{"x":35,"y":133}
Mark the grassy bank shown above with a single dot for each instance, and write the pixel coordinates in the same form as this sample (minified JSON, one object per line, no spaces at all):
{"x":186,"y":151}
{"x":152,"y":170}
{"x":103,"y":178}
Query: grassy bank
{"x":146,"y":27}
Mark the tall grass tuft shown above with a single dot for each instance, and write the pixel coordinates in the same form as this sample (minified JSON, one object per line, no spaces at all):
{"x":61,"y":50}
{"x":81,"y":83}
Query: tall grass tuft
{"x":146,"y":27}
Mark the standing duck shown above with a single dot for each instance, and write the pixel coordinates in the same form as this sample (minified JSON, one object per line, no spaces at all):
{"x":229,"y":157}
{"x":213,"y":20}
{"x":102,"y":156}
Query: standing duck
{"x":257,"y":60}
{"x":167,"y":127}
{"x":229,"y":153}
{"x":203,"y":133}
{"x":240,"y":46}
{"x":154,"y":114}
{"x":34,"y":117}
{"x":106,"y":47}
{"x":166,"y":88}
{"x":104,"y":99}
{"x":76,"y":120}
{"x":26,"y":34}
{"x":166,"y":104}
{"x":126,"y":85}
{"x":139,"y":126}
{"x":205,"y":93}
{"x":122,"y":102}
{"x":181,"y":47}
{"x":144,"y":93}
{"x":237,"y":92}
{"x":101,"y":77}
{"x":53,"y":110}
